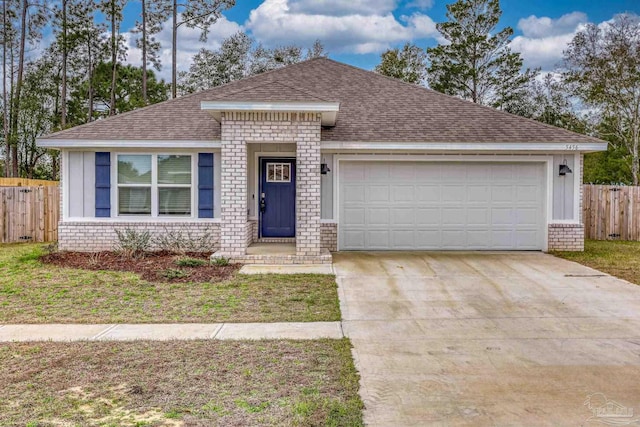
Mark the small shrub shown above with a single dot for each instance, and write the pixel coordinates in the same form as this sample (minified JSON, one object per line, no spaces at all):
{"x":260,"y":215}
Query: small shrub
{"x":133,"y":243}
{"x":190,"y":262}
{"x":51,"y":248}
{"x":173,"y":273}
{"x":220,"y":262}
{"x":95,"y":258}
{"x":184,"y":241}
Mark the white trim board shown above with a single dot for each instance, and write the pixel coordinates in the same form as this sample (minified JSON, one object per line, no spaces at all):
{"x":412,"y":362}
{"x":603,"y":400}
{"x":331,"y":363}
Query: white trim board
{"x":476,"y":147}
{"x":329,"y":110}
{"x":132,"y":143}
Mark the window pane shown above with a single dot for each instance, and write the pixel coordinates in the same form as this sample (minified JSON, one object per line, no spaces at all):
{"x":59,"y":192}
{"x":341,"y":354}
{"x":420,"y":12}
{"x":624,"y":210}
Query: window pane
{"x":174,"y":169}
{"x":285,"y":173}
{"x":134,"y":169}
{"x":134,"y":201}
{"x":174,"y":201}
{"x":271,"y":172}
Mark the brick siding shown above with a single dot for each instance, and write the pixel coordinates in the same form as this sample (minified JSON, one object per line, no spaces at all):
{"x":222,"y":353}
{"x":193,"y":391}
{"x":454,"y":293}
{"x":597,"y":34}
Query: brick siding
{"x":241,"y":128}
{"x":97,"y":236}
{"x":329,"y":236}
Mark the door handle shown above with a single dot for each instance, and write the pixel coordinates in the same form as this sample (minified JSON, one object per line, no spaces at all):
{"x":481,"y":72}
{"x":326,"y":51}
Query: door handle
{"x":263,"y":203}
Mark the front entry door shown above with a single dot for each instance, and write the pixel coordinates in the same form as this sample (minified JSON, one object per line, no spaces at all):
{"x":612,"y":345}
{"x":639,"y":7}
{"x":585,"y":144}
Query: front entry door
{"x":277,"y":202}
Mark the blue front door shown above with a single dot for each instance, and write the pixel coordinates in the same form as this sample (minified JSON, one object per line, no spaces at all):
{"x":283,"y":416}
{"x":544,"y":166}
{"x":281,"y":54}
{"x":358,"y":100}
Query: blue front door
{"x":277,"y":201}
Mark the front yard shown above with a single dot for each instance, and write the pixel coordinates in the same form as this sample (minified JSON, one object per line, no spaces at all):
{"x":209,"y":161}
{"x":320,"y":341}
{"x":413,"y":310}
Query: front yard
{"x":203,"y":383}
{"x":33,"y":292}
{"x":618,"y":258}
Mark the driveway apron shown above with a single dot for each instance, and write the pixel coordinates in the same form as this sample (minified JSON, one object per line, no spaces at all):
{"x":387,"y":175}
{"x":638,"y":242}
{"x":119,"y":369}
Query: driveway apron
{"x":503,"y":339}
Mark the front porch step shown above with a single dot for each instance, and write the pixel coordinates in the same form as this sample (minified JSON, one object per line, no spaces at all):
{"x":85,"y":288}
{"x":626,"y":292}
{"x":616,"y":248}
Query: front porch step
{"x":277,"y":256}
{"x":276,"y":240}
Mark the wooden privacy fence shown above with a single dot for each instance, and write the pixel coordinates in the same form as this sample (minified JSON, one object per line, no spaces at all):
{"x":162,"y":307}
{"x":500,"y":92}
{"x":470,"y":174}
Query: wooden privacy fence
{"x":29,"y":214}
{"x":26,"y":182}
{"x":611,"y":212}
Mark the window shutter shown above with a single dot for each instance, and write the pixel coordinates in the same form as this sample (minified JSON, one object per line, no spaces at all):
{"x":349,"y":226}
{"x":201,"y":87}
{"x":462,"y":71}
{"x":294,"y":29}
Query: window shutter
{"x":205,"y":185}
{"x":103,"y":185}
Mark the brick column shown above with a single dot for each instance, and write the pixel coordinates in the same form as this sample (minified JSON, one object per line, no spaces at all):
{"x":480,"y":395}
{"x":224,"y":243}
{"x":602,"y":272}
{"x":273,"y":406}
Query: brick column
{"x":308,"y":188}
{"x":233,"y":230}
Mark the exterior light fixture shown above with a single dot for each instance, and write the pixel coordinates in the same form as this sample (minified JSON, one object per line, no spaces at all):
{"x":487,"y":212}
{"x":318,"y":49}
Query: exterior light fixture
{"x":324,"y":168}
{"x":564,"y":169}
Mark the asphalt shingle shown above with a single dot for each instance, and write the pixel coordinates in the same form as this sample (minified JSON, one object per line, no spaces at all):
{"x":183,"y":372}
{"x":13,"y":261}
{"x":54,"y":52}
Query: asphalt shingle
{"x":372,"y":108}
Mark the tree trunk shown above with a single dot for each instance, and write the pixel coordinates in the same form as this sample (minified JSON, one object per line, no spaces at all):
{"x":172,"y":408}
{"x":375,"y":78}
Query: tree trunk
{"x":90,"y":90}
{"x":5,"y":106}
{"x":16,"y":99}
{"x":63,"y":95}
{"x":144,"y":52}
{"x":114,"y":59}
{"x":174,"y":51}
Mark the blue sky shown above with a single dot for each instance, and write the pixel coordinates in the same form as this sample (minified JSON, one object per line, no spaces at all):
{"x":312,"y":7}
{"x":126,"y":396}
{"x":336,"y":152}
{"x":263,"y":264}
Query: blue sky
{"x":357,"y":31}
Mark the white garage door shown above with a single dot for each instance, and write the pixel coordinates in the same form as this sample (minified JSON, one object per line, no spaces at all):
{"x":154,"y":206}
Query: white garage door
{"x":386,"y":205}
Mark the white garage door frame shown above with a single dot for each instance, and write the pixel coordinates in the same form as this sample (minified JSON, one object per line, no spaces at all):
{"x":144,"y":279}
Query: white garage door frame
{"x":546,"y":160}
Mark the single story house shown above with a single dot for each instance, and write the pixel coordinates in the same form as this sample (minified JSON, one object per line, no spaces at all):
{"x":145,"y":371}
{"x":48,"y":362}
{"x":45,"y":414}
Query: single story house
{"x":331,"y":157}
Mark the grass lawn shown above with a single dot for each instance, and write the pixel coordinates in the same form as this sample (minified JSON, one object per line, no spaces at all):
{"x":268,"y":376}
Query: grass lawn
{"x":176,"y":383}
{"x":620,"y":259}
{"x":32,"y":292}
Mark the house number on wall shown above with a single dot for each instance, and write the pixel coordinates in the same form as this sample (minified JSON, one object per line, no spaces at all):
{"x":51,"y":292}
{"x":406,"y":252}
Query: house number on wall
{"x":572,"y":147}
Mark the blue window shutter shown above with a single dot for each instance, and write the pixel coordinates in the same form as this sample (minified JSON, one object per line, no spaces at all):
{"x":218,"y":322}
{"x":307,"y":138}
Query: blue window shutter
{"x":103,"y":185}
{"x":205,"y":185}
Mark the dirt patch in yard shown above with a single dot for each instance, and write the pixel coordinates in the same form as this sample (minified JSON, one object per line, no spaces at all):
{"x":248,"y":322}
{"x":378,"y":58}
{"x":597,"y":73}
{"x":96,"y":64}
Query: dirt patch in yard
{"x":153,"y":267}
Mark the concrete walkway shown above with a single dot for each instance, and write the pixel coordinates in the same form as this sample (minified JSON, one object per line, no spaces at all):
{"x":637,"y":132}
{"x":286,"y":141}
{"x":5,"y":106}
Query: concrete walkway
{"x":160,"y":332}
{"x":489,"y":339}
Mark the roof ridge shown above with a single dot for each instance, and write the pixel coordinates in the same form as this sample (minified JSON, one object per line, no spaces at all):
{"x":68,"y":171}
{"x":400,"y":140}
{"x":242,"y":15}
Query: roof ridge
{"x":270,"y":83}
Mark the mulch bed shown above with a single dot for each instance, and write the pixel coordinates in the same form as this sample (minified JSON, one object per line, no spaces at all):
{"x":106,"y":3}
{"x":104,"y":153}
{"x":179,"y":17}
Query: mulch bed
{"x":154,"y":266}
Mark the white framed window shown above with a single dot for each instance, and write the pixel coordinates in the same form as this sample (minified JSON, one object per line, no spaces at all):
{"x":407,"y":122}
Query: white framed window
{"x":278,"y":172}
{"x":155,"y":185}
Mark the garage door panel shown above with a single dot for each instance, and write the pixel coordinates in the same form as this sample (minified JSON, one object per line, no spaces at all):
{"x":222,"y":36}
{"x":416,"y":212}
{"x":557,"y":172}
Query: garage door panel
{"x":428,"y":193}
{"x":378,"y":216}
{"x":431,"y":206}
{"x":378,"y":239}
{"x":354,"y":239}
{"x":403,"y":193}
{"x":353,"y":193}
{"x":403,"y":216}
{"x":428,"y":216}
{"x":378,"y":193}
{"x":454,"y":216}
{"x":454,"y":193}
{"x":354,"y":216}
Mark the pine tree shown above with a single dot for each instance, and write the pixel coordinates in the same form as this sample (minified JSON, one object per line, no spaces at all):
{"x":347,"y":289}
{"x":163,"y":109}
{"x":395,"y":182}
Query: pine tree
{"x":477,"y":63}
{"x":408,"y":64}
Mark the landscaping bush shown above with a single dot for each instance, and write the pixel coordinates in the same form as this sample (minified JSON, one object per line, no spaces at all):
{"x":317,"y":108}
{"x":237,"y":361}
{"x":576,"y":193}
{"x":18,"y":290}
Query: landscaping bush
{"x":191,"y":262}
{"x":133,"y":243}
{"x":173,"y":273}
{"x":220,"y":261}
{"x":184,"y":241}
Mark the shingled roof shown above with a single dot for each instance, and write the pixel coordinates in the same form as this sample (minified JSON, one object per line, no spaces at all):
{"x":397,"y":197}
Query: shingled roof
{"x":372,"y":108}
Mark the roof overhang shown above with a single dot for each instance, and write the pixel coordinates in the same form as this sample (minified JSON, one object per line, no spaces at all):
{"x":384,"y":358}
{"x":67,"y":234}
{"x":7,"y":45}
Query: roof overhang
{"x":475,"y":146}
{"x":329,"y":110}
{"x":57,"y":143}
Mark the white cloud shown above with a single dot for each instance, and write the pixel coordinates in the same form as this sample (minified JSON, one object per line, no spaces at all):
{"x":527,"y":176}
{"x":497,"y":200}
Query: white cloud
{"x":188,"y":44}
{"x":544,"y":27}
{"x":421,"y":4}
{"x":544,"y":39}
{"x":282,"y":22}
{"x":342,"y":7}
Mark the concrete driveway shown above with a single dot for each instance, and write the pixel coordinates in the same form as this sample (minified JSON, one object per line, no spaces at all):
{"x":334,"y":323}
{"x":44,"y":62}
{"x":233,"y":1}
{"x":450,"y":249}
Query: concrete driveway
{"x":504,"y":339}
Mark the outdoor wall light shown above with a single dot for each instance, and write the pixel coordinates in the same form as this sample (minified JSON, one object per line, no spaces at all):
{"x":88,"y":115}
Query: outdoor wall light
{"x":564,"y":169}
{"x":324,"y":168}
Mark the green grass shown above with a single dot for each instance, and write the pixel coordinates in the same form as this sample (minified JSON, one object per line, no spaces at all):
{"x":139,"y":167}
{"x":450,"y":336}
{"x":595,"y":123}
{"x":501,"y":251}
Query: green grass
{"x":212,"y":383}
{"x":618,"y":258}
{"x":32,"y":292}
